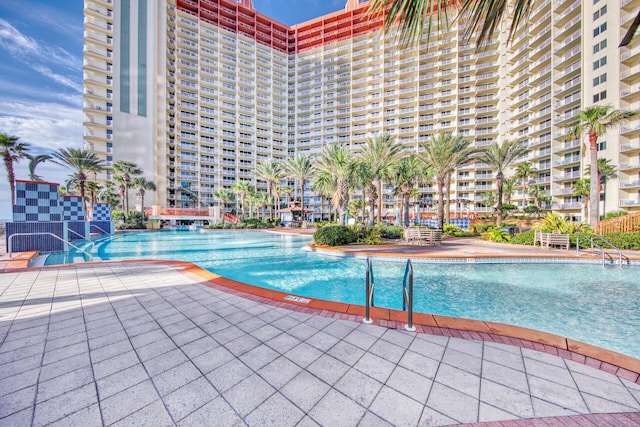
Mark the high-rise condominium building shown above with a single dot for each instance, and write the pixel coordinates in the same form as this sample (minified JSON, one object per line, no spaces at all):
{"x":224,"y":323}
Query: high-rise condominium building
{"x":198,"y":92}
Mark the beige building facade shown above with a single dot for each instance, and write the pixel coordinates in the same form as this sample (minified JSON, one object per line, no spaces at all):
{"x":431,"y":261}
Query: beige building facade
{"x":197,"y":93}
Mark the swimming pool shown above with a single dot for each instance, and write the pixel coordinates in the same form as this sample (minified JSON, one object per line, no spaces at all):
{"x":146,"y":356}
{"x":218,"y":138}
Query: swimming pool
{"x":586,"y":302}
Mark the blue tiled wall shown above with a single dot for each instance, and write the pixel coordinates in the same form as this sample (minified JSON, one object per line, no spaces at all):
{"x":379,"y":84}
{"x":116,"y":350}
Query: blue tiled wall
{"x":36,"y":202}
{"x":102,"y":227}
{"x":78,"y":230}
{"x":43,"y":243}
{"x":72,"y":208}
{"x":101,"y":212}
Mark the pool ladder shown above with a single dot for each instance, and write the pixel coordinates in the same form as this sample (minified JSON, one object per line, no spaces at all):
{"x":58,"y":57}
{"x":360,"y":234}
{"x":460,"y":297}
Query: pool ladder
{"x":603,"y":253}
{"x":407,"y":293}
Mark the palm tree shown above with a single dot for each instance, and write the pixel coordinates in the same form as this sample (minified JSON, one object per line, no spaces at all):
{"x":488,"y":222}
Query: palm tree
{"x":595,"y":122}
{"x":414,"y":15}
{"x":34,"y":161}
{"x":524,"y":171}
{"x":581,"y":188}
{"x":325,"y":186}
{"x":539,"y":196}
{"x":380,"y":153}
{"x":406,"y":174}
{"x":12,"y":151}
{"x":242,"y":189}
{"x":225,"y":196}
{"x":362,"y":179}
{"x":300,"y":169}
{"x":281,"y":191}
{"x":192,"y":195}
{"x":500,"y":157}
{"x":93,"y":188}
{"x":108,"y":195}
{"x":269,"y":170}
{"x":442,"y":154}
{"x":127,"y":171}
{"x":606,"y":170}
{"x":507,"y":189}
{"x":143,"y":185}
{"x":119,"y":180}
{"x":336,"y":164}
{"x":81,"y":162}
{"x":489,"y":199}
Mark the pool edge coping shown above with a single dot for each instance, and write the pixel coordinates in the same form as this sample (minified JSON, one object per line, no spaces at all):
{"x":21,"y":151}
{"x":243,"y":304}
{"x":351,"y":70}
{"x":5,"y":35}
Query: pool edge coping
{"x":609,"y":361}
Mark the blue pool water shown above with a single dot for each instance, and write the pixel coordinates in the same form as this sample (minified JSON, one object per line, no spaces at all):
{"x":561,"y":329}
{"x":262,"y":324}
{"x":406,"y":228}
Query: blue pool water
{"x":585,"y":302}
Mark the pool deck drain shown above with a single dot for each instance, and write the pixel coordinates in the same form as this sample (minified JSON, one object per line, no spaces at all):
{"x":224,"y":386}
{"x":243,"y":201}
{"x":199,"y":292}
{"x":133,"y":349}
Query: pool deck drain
{"x":128,"y":343}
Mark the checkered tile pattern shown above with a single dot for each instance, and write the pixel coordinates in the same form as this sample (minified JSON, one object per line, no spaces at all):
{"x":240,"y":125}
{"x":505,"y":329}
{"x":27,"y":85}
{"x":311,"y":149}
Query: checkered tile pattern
{"x":72,"y":208}
{"x":101,"y":212}
{"x":36,"y":202}
{"x":462,"y":223}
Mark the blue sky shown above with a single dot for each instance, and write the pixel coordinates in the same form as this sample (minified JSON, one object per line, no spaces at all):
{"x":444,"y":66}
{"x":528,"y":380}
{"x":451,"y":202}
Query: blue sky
{"x":41,"y":73}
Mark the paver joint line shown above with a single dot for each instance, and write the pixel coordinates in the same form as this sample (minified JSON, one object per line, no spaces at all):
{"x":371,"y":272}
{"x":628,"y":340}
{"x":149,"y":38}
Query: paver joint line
{"x":337,"y":353}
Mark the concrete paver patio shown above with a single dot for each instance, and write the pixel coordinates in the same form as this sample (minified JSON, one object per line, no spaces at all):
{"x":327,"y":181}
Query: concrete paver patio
{"x":147,"y":344}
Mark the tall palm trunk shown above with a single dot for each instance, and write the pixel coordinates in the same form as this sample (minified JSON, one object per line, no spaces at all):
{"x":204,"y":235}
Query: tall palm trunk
{"x":343,"y":201}
{"x":379,"y":201}
{"x":594,"y":190}
{"x":8,"y":164}
{"x":499,"y":183}
{"x":330,"y":210}
{"x":142,"y":203}
{"x":372,"y":203}
{"x":302,"y":198}
{"x":406,"y":197}
{"x":447,"y":206}
{"x":364,"y":205}
{"x":440,"y":209}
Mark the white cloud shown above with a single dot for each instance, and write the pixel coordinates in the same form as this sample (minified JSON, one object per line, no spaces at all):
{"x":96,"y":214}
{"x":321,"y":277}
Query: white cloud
{"x":28,"y":49}
{"x":60,"y":79}
{"x":46,"y":125}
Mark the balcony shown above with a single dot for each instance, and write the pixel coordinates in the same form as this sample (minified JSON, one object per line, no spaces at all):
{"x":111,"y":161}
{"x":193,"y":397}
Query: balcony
{"x":629,"y":184}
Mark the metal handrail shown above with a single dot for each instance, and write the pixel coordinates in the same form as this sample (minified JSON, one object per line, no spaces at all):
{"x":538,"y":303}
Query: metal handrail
{"x":602,"y":250}
{"x":83,"y":238}
{"x":592,"y":245}
{"x":10,"y":241}
{"x":407,"y":297}
{"x":99,"y":228}
{"x":614,"y":247}
{"x":369,"y":290}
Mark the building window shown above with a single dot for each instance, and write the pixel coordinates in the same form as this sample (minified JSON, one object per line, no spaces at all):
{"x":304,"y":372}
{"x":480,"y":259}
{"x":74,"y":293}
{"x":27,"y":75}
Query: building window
{"x":598,"y":13}
{"x":599,"y":46}
{"x":599,"y":30}
{"x":600,"y":79}
{"x":602,"y":145}
{"x":600,"y":96}
{"x":599,"y":63}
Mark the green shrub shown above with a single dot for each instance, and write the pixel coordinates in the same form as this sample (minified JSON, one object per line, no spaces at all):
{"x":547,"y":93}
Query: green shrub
{"x":508,"y":207}
{"x":496,"y":235}
{"x":531,"y":209}
{"x":450,"y":229}
{"x":133,"y":222}
{"x":463,"y":233}
{"x":554,"y":222}
{"x":615,"y":214}
{"x":629,"y":241}
{"x":481,"y":228}
{"x":370,"y":236}
{"x":390,"y":231}
{"x":525,"y":238}
{"x":334,"y":235}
